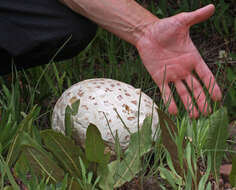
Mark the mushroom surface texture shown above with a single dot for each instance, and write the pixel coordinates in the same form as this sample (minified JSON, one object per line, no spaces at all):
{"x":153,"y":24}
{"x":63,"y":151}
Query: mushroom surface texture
{"x":103,"y":102}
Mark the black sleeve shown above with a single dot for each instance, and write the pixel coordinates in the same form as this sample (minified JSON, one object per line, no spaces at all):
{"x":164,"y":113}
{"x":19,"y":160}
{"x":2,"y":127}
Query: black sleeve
{"x":14,"y":39}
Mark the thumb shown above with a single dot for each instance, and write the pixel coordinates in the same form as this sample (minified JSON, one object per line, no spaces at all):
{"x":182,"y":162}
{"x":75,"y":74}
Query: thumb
{"x":200,"y":15}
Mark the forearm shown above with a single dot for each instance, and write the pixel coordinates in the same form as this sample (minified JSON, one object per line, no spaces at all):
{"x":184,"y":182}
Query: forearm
{"x":125,"y":18}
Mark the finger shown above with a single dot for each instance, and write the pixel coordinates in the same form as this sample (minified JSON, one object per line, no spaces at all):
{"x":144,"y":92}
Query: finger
{"x":186,"y":99}
{"x":198,"y":93}
{"x":168,"y":99}
{"x":209,"y":80}
{"x":200,"y":15}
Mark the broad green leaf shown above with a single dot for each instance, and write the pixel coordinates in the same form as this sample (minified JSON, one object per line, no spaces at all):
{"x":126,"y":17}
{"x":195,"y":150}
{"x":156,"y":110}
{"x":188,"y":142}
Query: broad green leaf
{"x":26,"y":139}
{"x":170,"y":163}
{"x":68,"y":121}
{"x":127,"y":169}
{"x":69,"y":112}
{"x":178,"y":179}
{"x":106,"y":174}
{"x":94,"y":146}
{"x":232,"y":177}
{"x":24,"y":163}
{"x":42,"y":164}
{"x":118,"y":149}
{"x":141,"y":141}
{"x":168,"y":176}
{"x":64,"y":150}
{"x":22,"y":166}
{"x":204,"y":178}
{"x":25,"y":125}
{"x":35,"y":134}
{"x":140,"y":144}
{"x":182,"y":127}
{"x":189,"y":159}
{"x":216,"y":138}
{"x":75,"y":107}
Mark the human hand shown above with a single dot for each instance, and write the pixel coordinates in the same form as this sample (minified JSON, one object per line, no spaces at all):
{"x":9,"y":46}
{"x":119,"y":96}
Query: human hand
{"x":169,"y":55}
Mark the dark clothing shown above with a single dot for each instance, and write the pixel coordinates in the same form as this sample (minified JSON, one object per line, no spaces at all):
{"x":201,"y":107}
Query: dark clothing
{"x":32,"y":31}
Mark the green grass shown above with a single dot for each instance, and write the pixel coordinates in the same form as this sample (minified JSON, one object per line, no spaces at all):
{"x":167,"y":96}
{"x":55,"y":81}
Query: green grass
{"x":109,"y":57}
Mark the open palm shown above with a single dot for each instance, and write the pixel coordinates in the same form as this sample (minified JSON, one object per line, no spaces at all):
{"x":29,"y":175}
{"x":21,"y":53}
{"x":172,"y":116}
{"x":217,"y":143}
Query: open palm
{"x":169,"y":55}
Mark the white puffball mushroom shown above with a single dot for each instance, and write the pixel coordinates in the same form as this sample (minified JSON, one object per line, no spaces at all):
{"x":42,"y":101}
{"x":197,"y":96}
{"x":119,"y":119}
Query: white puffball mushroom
{"x":99,"y":97}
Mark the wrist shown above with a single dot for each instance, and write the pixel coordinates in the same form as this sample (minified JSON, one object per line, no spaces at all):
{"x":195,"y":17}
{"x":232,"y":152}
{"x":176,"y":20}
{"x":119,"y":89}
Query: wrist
{"x":144,"y":38}
{"x":142,"y":29}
